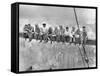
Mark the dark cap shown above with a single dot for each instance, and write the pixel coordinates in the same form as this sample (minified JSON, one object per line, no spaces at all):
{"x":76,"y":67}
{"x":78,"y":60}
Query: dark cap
{"x":67,"y":27}
{"x":44,"y":24}
{"x":84,"y":27}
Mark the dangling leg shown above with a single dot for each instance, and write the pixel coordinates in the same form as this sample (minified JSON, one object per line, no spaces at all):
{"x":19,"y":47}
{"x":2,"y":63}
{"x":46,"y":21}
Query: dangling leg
{"x":30,"y":37}
{"x":45,"y":38}
{"x":74,"y":40}
{"x":63,"y":39}
{"x":59,"y":38}
{"x":68,"y":39}
{"x":35,"y":36}
{"x":51,"y":38}
{"x":71,"y":40}
{"x":41,"y":38}
{"x":79,"y":40}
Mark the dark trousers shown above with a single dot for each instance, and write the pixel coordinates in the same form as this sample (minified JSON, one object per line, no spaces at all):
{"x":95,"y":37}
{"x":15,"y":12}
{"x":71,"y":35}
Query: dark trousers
{"x":67,"y":38}
{"x":58,"y":38}
{"x":44,"y":37}
{"x":62,"y":38}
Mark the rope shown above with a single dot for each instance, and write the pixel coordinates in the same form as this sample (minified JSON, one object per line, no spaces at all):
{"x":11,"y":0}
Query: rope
{"x":81,"y":55}
{"x":76,"y":18}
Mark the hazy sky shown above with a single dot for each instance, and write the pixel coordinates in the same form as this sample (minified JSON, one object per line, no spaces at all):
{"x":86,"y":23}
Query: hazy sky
{"x":56,"y":16}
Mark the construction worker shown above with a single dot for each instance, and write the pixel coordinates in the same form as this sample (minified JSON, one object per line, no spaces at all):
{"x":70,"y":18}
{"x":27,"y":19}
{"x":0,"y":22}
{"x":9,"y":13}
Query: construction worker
{"x":28,"y":31}
{"x":62,"y":31}
{"x":25,"y":31}
{"x":56,"y":34}
{"x":77,"y":36}
{"x":41,"y":34}
{"x":37,"y":32}
{"x":72,"y":35}
{"x":84,"y":36}
{"x":27,"y":28}
{"x":44,"y":31}
{"x":67,"y":34}
{"x":50,"y":33}
{"x":31,"y":33}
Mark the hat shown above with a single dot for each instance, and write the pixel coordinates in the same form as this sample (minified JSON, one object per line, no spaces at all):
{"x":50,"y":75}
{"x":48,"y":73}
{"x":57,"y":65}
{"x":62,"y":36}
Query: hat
{"x":67,"y":27}
{"x":83,"y":26}
{"x":44,"y":24}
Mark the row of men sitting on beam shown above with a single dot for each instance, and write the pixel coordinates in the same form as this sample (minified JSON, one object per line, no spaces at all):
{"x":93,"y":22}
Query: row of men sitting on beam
{"x":58,"y":34}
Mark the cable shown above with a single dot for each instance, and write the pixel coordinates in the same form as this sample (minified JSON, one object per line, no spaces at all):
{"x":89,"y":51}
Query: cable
{"x":86,"y":60}
{"x":79,"y":35}
{"x":76,"y":18}
{"x":81,"y":55}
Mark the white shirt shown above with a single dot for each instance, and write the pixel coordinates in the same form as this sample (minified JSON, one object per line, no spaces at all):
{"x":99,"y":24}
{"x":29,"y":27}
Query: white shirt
{"x":72,"y":33}
{"x":43,"y":30}
{"x":67,"y":33}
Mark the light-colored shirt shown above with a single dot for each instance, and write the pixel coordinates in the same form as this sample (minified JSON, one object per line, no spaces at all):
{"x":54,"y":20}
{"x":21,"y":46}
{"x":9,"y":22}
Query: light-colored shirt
{"x":67,"y":33}
{"x":72,"y":33}
{"x":44,"y":30}
{"x":62,"y":31}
